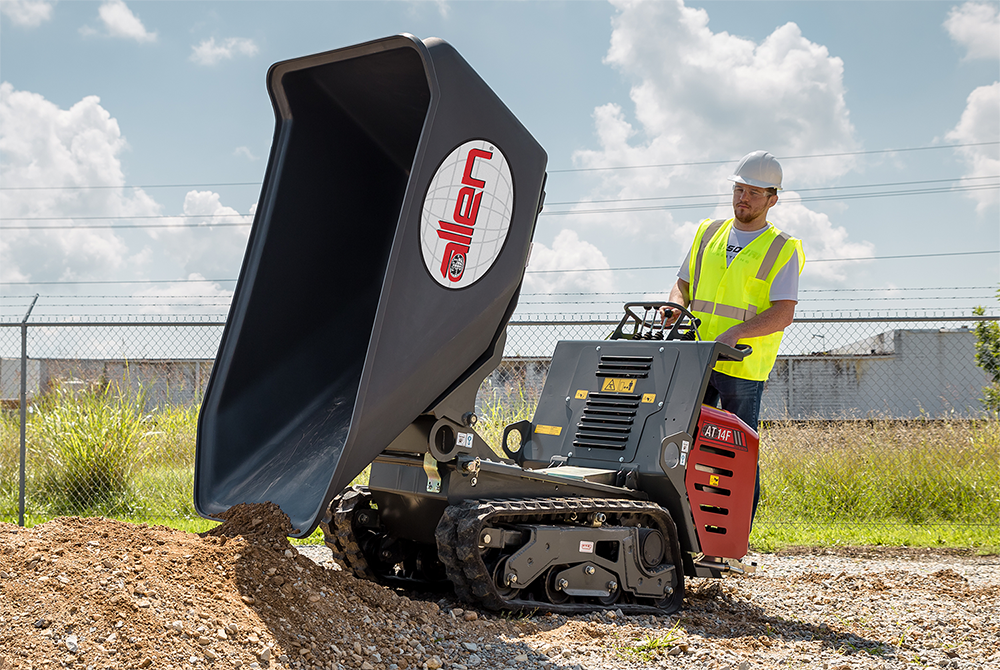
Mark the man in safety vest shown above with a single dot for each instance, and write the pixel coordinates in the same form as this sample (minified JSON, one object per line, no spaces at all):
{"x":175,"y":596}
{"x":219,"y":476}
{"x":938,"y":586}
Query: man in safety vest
{"x":741,"y":278}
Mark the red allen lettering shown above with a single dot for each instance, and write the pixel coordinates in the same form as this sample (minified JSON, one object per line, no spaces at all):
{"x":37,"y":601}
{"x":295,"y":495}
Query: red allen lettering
{"x":467,"y":177}
{"x":459,"y":235}
{"x":467,"y":207}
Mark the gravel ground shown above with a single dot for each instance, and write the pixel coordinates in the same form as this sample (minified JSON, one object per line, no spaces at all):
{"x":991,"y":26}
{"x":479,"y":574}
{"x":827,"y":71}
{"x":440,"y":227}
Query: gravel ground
{"x":97,"y":594}
{"x":850,"y":608}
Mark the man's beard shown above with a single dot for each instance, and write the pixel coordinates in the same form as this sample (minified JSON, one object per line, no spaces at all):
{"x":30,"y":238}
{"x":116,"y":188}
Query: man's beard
{"x":748,"y":215}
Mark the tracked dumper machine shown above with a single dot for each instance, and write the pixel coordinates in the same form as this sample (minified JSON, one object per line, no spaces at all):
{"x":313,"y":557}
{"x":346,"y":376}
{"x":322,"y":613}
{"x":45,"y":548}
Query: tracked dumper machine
{"x":385,"y":260}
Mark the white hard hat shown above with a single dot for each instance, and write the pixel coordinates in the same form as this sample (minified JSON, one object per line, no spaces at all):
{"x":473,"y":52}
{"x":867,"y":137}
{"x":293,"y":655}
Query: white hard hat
{"x":759,"y":169}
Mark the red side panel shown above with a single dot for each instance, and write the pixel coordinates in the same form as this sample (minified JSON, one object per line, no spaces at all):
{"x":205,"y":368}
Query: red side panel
{"x":720,"y":478}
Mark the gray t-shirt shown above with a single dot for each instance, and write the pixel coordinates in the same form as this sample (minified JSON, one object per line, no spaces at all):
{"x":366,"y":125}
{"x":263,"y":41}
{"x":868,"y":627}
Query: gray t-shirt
{"x":786,"y":283}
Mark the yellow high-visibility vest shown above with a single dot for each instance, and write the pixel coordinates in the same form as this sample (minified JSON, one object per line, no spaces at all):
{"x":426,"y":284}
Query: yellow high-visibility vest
{"x":725,"y":296}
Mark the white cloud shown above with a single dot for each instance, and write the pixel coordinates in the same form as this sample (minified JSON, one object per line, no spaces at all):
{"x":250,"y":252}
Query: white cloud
{"x":27,"y":13}
{"x":700,"y":96}
{"x":210,"y":251}
{"x":821,"y":240}
{"x":980,"y":123}
{"x":43,"y":145}
{"x":976,"y":26}
{"x":197,"y":296}
{"x":245,"y":153}
{"x":119,"y":21}
{"x":441,"y":6}
{"x":78,"y":150}
{"x":210,"y":53}
{"x":568,"y":252}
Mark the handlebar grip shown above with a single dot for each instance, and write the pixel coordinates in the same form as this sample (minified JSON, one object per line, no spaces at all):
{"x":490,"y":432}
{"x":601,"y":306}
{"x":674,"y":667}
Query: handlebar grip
{"x":742,"y":351}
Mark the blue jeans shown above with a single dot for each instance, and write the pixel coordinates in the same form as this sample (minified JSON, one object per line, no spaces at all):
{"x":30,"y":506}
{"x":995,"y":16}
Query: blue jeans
{"x":742,"y":398}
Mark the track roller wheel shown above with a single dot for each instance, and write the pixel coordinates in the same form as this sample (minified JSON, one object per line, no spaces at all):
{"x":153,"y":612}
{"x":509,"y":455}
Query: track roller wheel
{"x":553,"y":590}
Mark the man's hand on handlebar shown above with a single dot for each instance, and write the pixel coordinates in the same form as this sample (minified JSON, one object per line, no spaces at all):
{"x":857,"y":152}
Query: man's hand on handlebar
{"x":668,"y":316}
{"x":728,"y":338}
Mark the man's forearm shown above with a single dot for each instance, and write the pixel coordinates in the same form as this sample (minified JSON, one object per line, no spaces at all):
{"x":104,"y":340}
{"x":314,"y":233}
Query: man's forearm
{"x":777,"y":317}
{"x":680,"y":292}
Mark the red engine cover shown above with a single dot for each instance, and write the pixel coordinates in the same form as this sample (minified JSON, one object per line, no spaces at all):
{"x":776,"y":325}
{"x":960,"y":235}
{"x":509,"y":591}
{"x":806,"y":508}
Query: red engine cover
{"x":720,"y":476}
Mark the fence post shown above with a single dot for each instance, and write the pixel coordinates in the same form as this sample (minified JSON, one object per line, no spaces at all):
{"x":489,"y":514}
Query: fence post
{"x":24,"y":410}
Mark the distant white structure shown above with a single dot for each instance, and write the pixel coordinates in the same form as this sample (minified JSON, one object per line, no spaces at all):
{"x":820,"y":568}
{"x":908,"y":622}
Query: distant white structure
{"x":897,"y":374}
{"x":162,"y":382}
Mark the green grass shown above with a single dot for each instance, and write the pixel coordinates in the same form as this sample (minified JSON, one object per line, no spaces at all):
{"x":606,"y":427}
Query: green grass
{"x":916,"y":483}
{"x":496,"y":413}
{"x":648,"y":648}
{"x":920,"y":483}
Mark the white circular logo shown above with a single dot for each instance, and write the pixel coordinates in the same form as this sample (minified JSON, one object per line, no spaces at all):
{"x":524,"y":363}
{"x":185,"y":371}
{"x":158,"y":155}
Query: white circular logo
{"x":466,"y":214}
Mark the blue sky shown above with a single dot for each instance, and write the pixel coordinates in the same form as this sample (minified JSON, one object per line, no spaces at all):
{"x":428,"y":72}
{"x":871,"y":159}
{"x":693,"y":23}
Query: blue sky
{"x":161,"y":106}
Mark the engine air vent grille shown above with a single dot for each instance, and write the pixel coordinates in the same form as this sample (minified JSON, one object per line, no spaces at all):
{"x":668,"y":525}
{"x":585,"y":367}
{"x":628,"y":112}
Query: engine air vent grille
{"x":607,"y":420}
{"x":627,"y":367}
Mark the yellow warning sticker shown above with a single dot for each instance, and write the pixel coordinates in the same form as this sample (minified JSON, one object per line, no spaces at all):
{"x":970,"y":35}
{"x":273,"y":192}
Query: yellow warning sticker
{"x":649,"y":397}
{"x":581,"y":394}
{"x":613,"y":385}
{"x":713,"y":480}
{"x":548,"y":430}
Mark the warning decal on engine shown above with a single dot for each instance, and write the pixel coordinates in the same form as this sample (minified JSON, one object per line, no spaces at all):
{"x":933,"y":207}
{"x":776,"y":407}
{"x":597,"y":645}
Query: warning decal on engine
{"x":649,"y":397}
{"x":586,"y":547}
{"x":548,"y":430}
{"x":614,"y":385}
{"x":581,"y":394}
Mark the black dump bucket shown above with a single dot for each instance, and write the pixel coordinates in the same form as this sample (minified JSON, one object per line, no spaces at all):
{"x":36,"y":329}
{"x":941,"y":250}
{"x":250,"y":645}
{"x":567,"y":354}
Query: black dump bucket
{"x":385,"y":258}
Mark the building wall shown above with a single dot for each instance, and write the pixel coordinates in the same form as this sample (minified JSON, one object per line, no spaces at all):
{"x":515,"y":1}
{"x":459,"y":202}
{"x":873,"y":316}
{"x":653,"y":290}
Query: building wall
{"x":160,"y":381}
{"x":903,"y":374}
{"x":897,"y":374}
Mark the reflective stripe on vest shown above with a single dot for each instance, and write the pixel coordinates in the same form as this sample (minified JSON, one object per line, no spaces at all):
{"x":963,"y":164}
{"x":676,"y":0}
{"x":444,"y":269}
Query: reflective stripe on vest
{"x":710,"y":232}
{"x":729,"y":299}
{"x":729,"y":311}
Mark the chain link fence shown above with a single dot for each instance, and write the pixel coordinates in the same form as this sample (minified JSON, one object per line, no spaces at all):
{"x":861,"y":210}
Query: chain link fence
{"x":866,"y":420}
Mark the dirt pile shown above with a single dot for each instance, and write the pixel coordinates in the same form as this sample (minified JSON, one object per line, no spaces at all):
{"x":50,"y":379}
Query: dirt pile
{"x":95,"y":593}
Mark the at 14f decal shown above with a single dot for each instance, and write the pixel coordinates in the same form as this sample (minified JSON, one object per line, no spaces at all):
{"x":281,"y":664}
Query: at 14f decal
{"x":725,"y":435}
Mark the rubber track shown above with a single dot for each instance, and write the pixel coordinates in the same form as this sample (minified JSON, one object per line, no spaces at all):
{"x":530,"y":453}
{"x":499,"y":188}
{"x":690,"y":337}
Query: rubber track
{"x":338,"y":534}
{"x":460,"y":528}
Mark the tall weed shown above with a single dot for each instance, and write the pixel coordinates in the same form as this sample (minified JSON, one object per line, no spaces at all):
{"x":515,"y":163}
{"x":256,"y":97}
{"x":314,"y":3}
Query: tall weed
{"x":498,"y":411}
{"x":86,"y":446}
{"x":912,"y":472}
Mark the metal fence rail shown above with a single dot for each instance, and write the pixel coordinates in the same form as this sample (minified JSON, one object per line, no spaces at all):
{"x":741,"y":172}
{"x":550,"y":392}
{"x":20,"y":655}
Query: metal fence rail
{"x":100,"y":417}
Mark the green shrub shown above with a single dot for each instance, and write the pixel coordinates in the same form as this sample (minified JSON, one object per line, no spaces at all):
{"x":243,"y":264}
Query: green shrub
{"x":85,"y":445}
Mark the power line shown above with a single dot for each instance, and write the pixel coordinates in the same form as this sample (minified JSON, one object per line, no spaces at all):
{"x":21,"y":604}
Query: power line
{"x":112,"y":281}
{"x":948,"y":298}
{"x":817,"y":198}
{"x":811,"y":260}
{"x":618,"y":210}
{"x":797,"y":190}
{"x":527,"y":272}
{"x":126,"y":186}
{"x":784,"y":158}
{"x":801,"y":290}
{"x":56,"y":296}
{"x":562,"y":170}
{"x":204,"y":226}
{"x":123,"y":216}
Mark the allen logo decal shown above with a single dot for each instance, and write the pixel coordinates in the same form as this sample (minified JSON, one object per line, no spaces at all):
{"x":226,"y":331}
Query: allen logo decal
{"x":466,"y":214}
